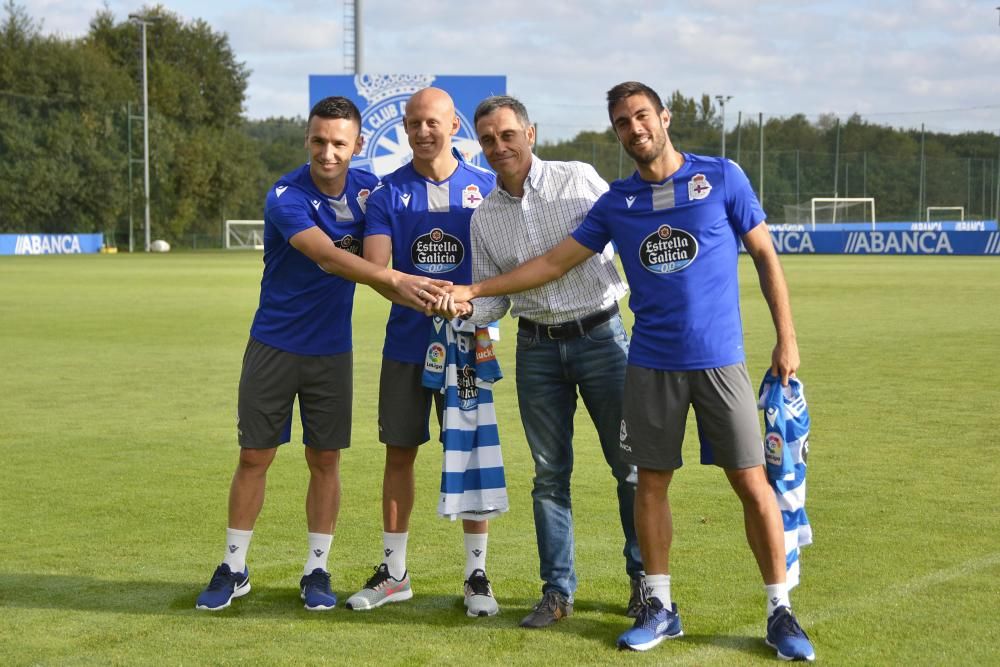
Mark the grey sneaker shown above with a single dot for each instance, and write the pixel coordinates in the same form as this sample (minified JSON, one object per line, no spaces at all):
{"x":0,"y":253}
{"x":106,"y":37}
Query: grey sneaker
{"x":380,"y":589}
{"x":552,"y":607}
{"x":636,"y":599}
{"x":479,"y":600}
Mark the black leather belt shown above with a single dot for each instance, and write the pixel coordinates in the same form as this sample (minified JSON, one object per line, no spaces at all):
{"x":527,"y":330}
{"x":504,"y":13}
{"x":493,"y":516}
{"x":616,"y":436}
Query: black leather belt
{"x":567,"y":330}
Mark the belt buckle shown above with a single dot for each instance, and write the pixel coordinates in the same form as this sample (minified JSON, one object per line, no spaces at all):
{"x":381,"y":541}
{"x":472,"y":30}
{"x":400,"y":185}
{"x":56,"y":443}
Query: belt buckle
{"x":549,"y":331}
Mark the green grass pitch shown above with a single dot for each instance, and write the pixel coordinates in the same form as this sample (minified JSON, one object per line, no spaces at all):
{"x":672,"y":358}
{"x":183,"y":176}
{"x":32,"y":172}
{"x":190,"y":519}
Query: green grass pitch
{"x":117,"y":402}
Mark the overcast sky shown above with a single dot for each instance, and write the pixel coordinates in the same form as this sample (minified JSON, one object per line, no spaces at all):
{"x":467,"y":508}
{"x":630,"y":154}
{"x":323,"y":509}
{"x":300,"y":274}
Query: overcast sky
{"x":900,"y":63}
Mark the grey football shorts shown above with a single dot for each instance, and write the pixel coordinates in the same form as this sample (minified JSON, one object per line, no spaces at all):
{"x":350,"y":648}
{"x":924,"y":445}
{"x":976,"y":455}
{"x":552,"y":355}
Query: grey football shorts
{"x":270,"y":381}
{"x":404,"y":404}
{"x":656,"y":408}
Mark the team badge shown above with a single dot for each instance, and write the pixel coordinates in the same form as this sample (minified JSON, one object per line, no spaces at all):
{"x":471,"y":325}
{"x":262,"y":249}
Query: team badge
{"x":667,"y":250}
{"x":471,"y":196}
{"x":698,"y":187}
{"x":362,"y":198}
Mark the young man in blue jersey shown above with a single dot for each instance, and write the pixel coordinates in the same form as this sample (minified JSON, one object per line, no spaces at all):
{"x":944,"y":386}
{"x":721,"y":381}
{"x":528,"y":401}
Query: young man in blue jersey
{"x":419,"y":218}
{"x":300,"y":345}
{"x":677,"y":223}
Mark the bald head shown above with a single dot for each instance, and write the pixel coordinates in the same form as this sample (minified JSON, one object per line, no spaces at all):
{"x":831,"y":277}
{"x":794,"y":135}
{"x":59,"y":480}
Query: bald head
{"x":430,"y":98}
{"x":430,"y":123}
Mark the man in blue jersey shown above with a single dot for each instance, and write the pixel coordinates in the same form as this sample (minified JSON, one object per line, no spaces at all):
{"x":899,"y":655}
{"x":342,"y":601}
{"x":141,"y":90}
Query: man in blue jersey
{"x":300,"y":345}
{"x":419,"y":217}
{"x":677,"y":223}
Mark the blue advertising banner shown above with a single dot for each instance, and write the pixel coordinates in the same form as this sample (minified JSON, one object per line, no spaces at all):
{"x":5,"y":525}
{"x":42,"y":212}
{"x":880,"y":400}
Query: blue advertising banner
{"x":50,"y":244}
{"x":938,"y":226}
{"x":382,"y":101}
{"x":828,"y":242}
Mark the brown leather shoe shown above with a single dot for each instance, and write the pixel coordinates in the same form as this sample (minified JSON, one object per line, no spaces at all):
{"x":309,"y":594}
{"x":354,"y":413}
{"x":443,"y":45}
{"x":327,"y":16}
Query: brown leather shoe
{"x":552,"y":607}
{"x":636,"y":599}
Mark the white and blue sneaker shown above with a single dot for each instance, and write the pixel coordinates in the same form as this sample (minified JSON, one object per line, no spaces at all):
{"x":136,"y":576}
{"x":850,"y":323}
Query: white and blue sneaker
{"x":653,"y":624}
{"x":785,"y":635}
{"x":316,"y":591}
{"x":224,"y":586}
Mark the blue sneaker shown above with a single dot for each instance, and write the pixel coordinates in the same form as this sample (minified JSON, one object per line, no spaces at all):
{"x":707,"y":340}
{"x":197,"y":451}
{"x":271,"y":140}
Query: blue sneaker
{"x":786,"y":636}
{"x":223,"y":587}
{"x":653,"y":624}
{"x":316,"y":591}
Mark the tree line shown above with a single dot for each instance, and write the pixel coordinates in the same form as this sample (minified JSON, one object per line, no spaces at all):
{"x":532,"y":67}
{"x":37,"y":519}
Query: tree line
{"x":71,"y":139}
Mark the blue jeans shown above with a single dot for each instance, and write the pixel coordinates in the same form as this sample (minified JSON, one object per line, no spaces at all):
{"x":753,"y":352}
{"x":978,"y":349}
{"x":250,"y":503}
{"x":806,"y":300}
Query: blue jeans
{"x":549,"y":373}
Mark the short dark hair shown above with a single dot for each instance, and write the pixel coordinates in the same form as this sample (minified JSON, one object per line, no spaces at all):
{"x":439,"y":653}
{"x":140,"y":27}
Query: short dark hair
{"x":336,"y":106}
{"x":497,"y":102}
{"x":628,"y":89}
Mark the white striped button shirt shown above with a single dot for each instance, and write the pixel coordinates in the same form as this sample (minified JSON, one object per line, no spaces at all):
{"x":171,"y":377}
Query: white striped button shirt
{"x":508,"y":231}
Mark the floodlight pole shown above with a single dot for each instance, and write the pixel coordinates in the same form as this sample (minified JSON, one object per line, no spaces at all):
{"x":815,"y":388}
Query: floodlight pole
{"x":144,"y":21}
{"x":722,"y":99}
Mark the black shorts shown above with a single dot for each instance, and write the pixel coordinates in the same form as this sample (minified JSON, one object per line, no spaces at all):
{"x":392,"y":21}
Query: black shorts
{"x":270,"y":381}
{"x":655,"y":412}
{"x":404,"y":404}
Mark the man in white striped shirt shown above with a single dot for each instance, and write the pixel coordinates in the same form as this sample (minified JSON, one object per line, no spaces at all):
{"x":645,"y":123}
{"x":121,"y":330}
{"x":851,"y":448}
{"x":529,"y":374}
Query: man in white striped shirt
{"x":570,"y":337}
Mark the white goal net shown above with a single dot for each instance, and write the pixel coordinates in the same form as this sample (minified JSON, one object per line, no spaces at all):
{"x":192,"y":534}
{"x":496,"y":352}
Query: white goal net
{"x":825,"y":210}
{"x":946,"y":213}
{"x":244,"y":234}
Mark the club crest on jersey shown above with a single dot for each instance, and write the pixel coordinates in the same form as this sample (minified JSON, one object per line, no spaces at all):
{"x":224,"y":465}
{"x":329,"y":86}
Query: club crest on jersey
{"x":437,"y":252}
{"x":667,"y":250}
{"x":280,"y":190}
{"x":471,"y":196}
{"x":351,"y":244}
{"x":468,"y":392}
{"x":362,"y":198}
{"x":434,"y":360}
{"x":773,"y":448}
{"x":698,"y":187}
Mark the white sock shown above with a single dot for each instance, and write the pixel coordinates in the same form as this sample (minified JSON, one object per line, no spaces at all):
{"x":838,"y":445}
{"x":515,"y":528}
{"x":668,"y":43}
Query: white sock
{"x":475,"y":552}
{"x":394,"y":547}
{"x":237,"y":544}
{"x":777,"y":596}
{"x":658,"y":586}
{"x":319,"y":551}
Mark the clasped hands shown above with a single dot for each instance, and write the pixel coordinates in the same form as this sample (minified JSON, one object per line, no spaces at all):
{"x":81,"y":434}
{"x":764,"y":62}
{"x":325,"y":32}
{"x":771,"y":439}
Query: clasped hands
{"x":447,"y":301}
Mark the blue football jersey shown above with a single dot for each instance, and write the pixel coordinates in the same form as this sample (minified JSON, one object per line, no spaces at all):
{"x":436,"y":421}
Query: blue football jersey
{"x":303,"y":309}
{"x":428,"y":223}
{"x":679,"y":241}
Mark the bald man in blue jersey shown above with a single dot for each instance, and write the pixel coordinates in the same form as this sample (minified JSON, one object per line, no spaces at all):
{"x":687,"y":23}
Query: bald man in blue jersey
{"x":677,"y":224}
{"x":419,"y":218}
{"x":300,"y":345}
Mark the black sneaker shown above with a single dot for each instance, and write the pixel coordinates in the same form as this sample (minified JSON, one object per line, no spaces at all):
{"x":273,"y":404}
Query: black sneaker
{"x":552,"y":607}
{"x":636,"y":599}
